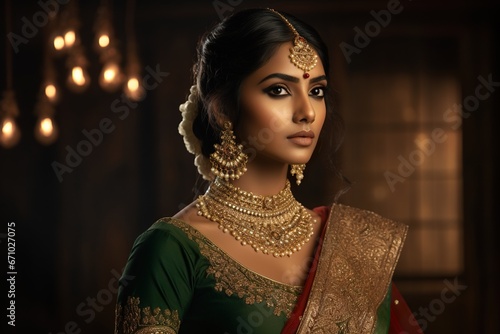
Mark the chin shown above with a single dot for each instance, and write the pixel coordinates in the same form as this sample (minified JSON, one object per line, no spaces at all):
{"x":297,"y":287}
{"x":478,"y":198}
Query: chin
{"x":298,"y":159}
{"x":288,"y":155}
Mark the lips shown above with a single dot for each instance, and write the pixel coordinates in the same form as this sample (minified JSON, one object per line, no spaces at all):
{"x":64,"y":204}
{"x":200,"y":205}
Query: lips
{"x":302,"y":138}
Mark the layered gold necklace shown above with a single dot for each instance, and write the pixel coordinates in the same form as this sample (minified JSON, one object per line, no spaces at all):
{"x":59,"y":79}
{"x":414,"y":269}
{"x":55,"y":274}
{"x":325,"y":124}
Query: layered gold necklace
{"x":277,"y":224}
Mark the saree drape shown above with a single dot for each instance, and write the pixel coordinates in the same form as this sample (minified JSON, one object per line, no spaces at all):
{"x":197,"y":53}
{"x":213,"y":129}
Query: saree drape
{"x":350,"y":276}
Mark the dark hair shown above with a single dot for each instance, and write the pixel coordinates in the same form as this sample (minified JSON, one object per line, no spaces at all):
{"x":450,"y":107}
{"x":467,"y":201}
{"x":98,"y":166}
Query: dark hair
{"x":230,"y":52}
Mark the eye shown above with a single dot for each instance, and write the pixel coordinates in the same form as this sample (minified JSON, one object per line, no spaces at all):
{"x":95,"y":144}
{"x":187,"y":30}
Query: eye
{"x":277,"y":91}
{"x":318,"y":92}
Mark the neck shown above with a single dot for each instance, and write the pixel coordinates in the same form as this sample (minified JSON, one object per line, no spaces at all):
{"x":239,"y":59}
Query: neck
{"x":263,"y":178}
{"x":272,"y":222}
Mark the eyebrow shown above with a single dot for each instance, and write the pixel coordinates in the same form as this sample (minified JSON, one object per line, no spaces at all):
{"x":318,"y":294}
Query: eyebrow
{"x":291,"y":78}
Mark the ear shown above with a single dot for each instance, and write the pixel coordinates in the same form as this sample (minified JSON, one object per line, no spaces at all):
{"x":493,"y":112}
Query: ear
{"x":218,"y":117}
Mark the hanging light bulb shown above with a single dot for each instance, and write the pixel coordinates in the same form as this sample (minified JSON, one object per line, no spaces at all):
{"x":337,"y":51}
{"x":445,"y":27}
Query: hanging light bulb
{"x":104,"y":32}
{"x":46,"y":127}
{"x":59,"y":43}
{"x":9,"y":133}
{"x":78,"y":78}
{"x":69,"y":38}
{"x":103,"y":40}
{"x":133,"y":90}
{"x":46,"y":130}
{"x":51,"y":92}
{"x":111,"y":76}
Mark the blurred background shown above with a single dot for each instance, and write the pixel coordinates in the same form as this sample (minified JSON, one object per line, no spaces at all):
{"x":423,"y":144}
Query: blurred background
{"x":90,"y":157}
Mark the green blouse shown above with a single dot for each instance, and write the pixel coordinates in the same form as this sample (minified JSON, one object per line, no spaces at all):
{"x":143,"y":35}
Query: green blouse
{"x":178,"y":281}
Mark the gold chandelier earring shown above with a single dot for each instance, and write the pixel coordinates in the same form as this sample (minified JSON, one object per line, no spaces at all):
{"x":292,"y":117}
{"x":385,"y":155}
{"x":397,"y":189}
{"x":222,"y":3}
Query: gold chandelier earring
{"x":298,"y":171}
{"x":228,"y":161}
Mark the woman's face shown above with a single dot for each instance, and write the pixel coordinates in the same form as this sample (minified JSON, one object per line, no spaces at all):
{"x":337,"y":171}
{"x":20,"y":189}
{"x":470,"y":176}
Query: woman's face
{"x":282,"y":113}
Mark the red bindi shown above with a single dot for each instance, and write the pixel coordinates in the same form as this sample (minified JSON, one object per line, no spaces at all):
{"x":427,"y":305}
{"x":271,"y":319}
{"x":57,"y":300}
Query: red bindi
{"x":306,"y":75}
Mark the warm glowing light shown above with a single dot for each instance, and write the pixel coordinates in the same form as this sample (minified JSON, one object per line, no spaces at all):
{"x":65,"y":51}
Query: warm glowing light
{"x":103,"y":40}
{"x":46,"y":127}
{"x":46,"y":131}
{"x":58,"y":42}
{"x":109,"y":74}
{"x":69,"y":38}
{"x":134,"y":90}
{"x":9,"y":133}
{"x":78,"y":76}
{"x":8,"y":128}
{"x":50,"y":91}
{"x":133,"y":84}
{"x":111,"y":77}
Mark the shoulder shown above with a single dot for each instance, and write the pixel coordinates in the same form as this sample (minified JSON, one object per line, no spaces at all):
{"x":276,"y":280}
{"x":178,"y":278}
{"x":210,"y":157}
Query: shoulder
{"x":166,"y":236}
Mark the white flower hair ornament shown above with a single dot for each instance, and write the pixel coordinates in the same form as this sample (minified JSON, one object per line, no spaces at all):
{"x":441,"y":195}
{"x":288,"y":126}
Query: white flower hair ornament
{"x":189,"y":111}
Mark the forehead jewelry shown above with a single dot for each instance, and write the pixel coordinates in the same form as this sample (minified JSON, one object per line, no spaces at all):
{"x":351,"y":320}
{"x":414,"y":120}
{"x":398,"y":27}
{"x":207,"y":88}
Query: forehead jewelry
{"x":302,"y":54}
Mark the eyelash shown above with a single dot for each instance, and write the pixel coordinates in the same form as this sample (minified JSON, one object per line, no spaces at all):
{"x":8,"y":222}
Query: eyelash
{"x":270,"y":90}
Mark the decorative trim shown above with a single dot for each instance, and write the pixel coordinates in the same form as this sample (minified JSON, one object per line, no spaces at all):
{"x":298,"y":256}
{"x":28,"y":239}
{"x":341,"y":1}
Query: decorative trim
{"x":232,"y":278}
{"x":130,"y":318}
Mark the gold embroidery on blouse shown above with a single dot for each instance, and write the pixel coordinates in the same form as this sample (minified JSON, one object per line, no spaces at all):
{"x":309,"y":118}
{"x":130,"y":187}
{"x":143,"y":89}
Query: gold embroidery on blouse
{"x":234,"y":279}
{"x":130,"y":318}
{"x":358,"y":257}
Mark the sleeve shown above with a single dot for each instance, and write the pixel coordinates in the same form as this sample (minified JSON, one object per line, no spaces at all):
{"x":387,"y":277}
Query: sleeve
{"x":157,"y":284}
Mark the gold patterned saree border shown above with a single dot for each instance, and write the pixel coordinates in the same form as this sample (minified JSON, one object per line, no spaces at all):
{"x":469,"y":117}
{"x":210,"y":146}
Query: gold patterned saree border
{"x":130,"y":318}
{"x":358,"y":258}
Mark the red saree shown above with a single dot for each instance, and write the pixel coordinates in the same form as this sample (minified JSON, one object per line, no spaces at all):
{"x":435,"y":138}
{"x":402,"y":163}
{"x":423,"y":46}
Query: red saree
{"x":350,"y":276}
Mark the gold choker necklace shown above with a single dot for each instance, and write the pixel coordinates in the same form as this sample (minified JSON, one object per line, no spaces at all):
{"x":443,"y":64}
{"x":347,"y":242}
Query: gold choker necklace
{"x":277,"y":224}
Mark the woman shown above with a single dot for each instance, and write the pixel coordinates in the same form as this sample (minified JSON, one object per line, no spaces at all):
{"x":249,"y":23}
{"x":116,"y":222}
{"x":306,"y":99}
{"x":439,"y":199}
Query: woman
{"x":246,"y":257}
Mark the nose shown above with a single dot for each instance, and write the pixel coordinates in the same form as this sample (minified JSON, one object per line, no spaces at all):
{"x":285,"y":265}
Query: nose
{"x":303,"y":110}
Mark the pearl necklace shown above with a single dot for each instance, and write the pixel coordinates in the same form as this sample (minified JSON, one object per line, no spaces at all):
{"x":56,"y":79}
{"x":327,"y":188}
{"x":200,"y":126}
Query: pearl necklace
{"x":277,"y":224}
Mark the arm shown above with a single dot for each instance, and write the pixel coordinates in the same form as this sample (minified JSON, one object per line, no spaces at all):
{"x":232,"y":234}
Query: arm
{"x":158,"y":282}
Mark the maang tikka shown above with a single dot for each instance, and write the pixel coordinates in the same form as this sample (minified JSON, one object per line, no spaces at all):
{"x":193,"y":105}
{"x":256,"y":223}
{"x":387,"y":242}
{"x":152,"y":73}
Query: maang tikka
{"x":302,"y":55}
{"x":228,"y":161}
